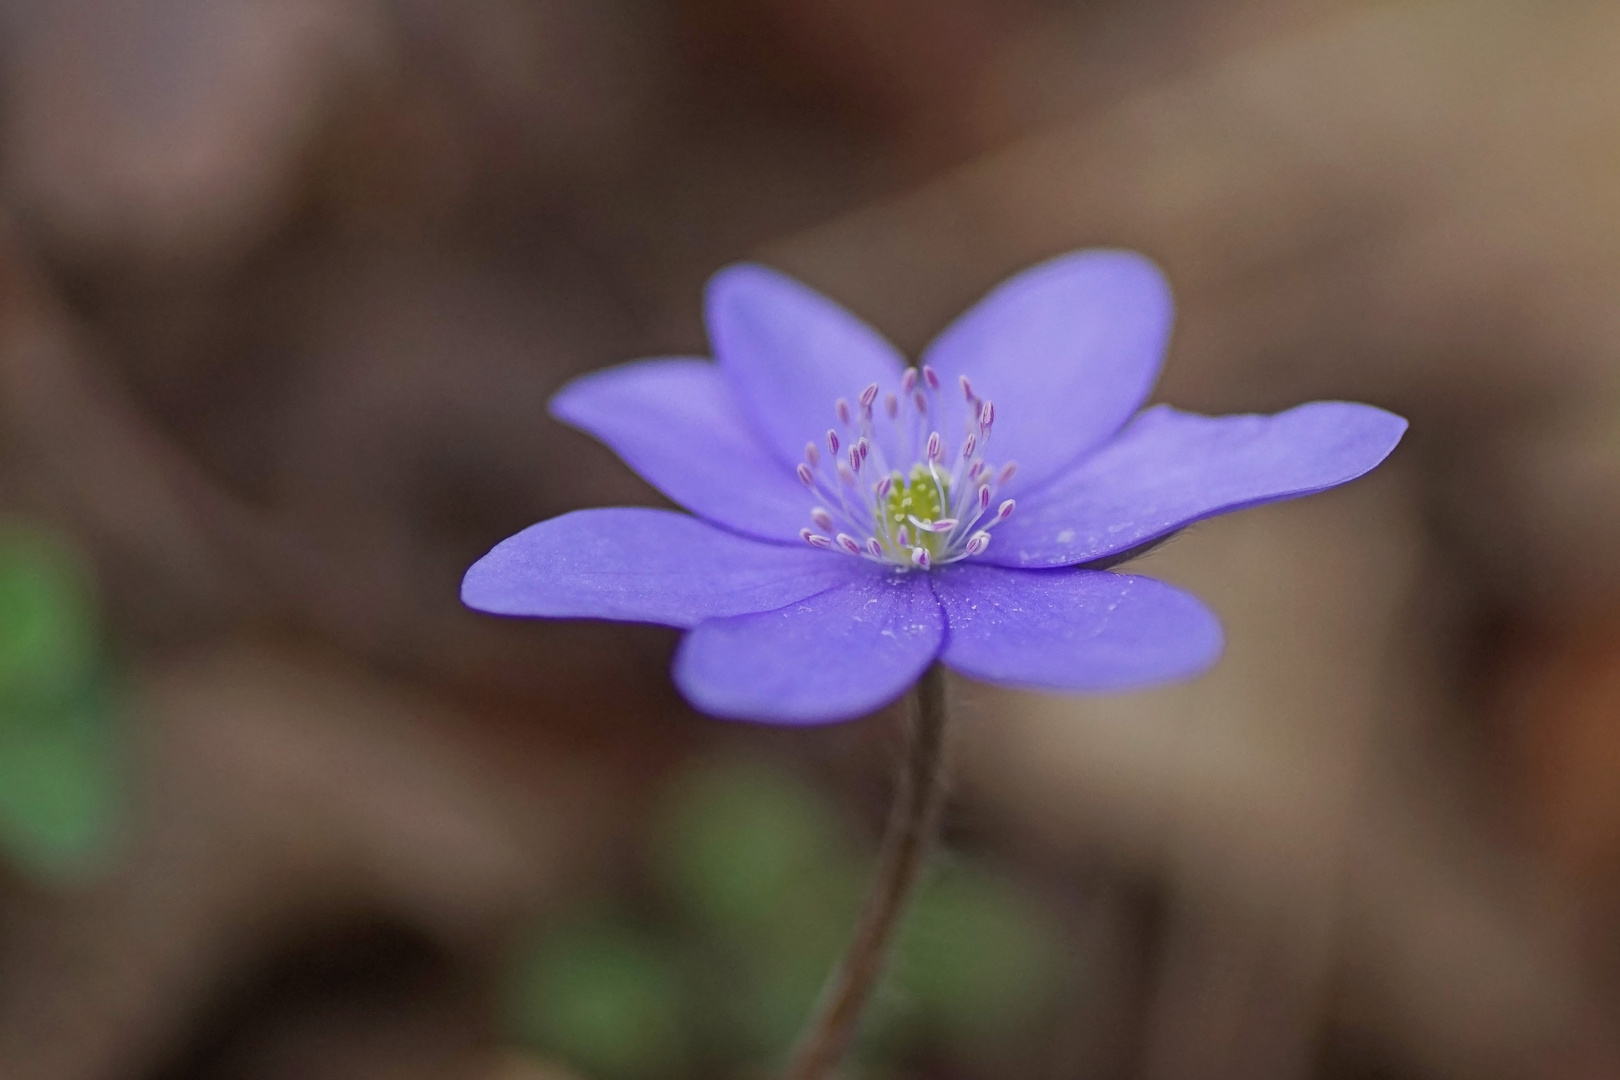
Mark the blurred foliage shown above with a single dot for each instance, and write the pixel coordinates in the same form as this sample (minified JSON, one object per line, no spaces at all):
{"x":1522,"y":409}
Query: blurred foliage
{"x":754,"y":881}
{"x":58,"y":743}
{"x":978,"y":956}
{"x":606,"y":995}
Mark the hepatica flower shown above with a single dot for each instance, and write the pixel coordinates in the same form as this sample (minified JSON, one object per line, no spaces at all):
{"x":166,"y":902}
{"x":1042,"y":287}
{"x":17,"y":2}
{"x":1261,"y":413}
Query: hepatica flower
{"x":853,"y":519}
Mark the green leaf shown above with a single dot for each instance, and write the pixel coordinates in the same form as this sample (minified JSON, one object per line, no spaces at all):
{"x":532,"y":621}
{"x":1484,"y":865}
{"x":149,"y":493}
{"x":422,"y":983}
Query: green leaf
{"x":977,"y":957}
{"x":59,"y":765}
{"x":48,"y":646}
{"x":58,"y":785}
{"x":606,"y":997}
{"x":770,"y":878}
{"x":750,"y":848}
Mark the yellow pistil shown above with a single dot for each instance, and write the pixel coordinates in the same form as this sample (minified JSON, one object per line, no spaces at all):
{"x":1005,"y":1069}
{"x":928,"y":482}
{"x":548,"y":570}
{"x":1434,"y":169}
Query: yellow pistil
{"x":921,"y":496}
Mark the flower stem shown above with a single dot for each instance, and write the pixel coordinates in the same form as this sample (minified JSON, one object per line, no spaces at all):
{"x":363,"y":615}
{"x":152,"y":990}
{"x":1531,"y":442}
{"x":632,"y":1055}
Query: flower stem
{"x":913,"y":819}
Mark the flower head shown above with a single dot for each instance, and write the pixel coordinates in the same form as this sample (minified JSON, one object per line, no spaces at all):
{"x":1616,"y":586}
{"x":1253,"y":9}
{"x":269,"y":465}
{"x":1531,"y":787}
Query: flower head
{"x":857,"y":518}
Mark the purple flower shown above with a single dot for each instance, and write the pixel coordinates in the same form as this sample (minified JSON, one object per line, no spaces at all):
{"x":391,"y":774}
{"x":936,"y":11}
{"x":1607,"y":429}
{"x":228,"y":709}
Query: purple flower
{"x":857,"y":519}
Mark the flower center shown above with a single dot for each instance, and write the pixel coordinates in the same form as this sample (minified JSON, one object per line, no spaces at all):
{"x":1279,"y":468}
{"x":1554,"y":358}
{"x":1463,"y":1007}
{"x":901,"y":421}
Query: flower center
{"x":893,"y":489}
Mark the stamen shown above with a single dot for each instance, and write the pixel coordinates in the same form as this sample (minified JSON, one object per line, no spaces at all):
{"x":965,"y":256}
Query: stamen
{"x":914,"y":511}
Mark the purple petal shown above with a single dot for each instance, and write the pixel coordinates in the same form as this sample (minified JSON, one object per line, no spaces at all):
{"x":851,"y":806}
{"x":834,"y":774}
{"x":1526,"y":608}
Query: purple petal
{"x":643,"y":565}
{"x":1067,"y":350}
{"x":676,"y":423}
{"x":834,"y":656}
{"x":1169,"y":469}
{"x":1082,"y":630}
{"x":790,"y":353}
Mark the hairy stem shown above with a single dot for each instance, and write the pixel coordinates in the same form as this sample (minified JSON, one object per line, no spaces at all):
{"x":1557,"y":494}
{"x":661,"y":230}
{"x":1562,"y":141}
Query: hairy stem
{"x":913,"y":819}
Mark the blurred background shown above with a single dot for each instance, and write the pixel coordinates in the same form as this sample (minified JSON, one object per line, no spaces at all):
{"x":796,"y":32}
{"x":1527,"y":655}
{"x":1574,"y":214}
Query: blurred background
{"x":284,"y":287}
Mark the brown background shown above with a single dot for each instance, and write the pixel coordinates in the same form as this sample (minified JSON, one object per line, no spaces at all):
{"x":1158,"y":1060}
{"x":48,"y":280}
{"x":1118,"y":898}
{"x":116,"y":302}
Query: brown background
{"x":284,"y":287}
